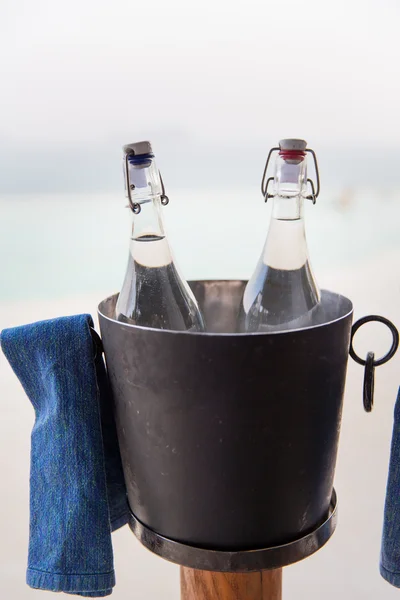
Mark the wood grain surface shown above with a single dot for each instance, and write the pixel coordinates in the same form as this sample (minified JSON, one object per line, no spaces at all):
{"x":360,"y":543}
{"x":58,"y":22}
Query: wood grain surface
{"x":208,"y":585}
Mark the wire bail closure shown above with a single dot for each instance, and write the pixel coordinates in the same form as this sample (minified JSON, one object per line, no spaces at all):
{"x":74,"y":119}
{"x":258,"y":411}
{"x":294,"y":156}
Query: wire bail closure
{"x":135,"y":206}
{"x":265,"y":182}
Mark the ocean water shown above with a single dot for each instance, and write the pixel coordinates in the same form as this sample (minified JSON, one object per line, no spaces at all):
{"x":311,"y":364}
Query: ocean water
{"x":58,"y":245}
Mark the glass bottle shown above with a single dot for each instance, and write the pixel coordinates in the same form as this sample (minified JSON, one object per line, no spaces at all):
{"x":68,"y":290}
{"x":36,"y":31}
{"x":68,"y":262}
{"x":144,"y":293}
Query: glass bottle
{"x":282,"y":292}
{"x":153,"y":294}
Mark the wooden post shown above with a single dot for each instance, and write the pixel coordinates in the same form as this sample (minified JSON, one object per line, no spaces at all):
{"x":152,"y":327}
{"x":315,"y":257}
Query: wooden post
{"x":209,"y":585}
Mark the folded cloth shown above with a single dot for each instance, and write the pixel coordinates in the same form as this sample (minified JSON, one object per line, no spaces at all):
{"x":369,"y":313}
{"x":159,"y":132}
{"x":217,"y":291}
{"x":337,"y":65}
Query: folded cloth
{"x":77,"y":488}
{"x":390,"y":550}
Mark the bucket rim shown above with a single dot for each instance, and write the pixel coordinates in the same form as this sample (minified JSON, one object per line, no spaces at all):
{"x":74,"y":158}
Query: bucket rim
{"x":102,"y":305}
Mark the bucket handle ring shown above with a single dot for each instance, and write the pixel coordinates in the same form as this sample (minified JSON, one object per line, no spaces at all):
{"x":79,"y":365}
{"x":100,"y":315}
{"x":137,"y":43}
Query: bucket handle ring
{"x":369,"y":362}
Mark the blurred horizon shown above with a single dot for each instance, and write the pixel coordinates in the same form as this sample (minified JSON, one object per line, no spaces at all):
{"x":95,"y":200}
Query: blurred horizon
{"x":212,"y":86}
{"x":186,"y":164}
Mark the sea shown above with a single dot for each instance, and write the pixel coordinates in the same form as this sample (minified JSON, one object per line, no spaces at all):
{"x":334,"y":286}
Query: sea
{"x":58,"y":245}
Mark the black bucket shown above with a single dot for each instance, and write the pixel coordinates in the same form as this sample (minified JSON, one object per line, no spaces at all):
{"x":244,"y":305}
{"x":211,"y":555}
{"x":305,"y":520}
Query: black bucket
{"x":228,"y":441}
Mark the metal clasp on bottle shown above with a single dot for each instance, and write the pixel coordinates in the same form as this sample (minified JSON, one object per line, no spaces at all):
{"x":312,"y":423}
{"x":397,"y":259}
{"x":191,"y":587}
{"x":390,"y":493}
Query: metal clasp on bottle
{"x":135,"y":206}
{"x":265,"y":182}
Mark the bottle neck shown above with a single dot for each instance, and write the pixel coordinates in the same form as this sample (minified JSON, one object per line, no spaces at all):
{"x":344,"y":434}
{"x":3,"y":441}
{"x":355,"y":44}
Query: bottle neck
{"x":286,"y":245}
{"x":290,"y":185}
{"x":146,"y":190}
{"x":149,"y":223}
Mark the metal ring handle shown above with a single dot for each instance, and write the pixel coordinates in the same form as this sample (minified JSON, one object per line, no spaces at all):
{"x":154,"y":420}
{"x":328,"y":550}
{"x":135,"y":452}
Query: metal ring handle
{"x":395,"y":342}
{"x":370,"y":363}
{"x":369,"y":382}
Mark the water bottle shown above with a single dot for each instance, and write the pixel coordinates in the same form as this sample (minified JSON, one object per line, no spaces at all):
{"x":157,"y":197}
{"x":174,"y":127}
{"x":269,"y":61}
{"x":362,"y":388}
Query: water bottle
{"x":282,"y":292}
{"x":153,"y":294}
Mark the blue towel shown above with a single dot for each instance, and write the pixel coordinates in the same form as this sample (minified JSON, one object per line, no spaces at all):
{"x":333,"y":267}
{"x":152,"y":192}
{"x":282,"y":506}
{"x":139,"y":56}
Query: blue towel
{"x":77,"y":488}
{"x":390,"y":551}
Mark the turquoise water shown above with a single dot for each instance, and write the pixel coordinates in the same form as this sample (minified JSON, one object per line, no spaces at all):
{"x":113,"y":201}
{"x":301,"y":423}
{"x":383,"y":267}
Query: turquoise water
{"x":61,"y":245}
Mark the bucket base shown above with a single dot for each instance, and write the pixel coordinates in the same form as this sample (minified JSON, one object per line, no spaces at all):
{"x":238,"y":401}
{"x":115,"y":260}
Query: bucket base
{"x":241,"y":561}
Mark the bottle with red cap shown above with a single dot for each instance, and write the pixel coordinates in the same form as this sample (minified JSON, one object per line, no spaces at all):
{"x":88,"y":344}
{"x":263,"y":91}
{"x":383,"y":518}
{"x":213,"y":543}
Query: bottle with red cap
{"x":282,"y":292}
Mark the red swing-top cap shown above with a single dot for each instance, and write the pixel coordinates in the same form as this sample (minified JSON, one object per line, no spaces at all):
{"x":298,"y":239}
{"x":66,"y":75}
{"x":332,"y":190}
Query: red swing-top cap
{"x":292,"y":148}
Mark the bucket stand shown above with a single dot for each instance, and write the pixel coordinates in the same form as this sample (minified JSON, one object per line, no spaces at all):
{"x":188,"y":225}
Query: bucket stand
{"x":209,"y":585}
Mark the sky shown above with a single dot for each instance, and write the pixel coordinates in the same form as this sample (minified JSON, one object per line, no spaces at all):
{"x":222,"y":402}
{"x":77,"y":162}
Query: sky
{"x":213,"y":84}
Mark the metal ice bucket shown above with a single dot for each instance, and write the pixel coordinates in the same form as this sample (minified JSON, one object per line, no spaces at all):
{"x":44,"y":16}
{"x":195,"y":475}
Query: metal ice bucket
{"x":229,"y":441}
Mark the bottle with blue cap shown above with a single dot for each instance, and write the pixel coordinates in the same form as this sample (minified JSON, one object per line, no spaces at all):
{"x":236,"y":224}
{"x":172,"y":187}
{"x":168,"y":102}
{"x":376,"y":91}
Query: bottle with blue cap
{"x":282,"y":292}
{"x":153,"y":294}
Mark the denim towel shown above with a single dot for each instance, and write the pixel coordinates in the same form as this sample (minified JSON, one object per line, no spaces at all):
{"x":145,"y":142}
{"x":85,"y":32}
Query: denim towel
{"x":77,"y":488}
{"x":390,"y":551}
